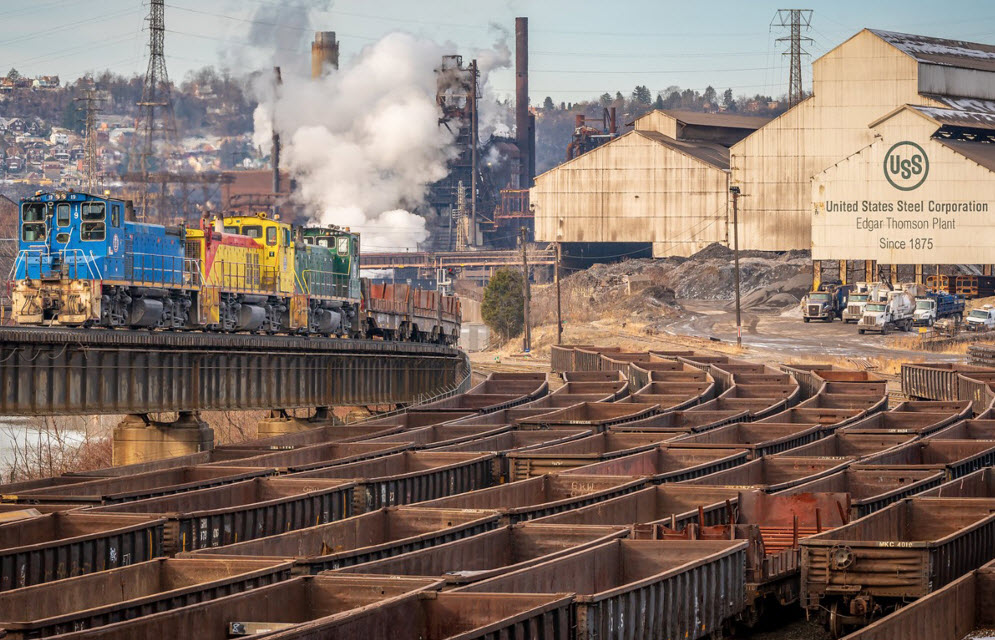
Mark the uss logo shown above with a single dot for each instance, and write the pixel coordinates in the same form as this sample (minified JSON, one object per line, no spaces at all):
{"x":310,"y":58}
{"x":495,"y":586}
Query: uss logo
{"x":906,"y":165}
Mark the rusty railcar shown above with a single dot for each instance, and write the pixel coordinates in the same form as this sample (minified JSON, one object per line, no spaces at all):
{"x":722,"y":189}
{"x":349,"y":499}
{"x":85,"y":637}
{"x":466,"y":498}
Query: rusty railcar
{"x":955,"y":457}
{"x":242,"y":510}
{"x":860,"y":446}
{"x":672,"y":505}
{"x":869,"y":403}
{"x":759,"y":439}
{"x":828,"y":419}
{"x":958,"y":610}
{"x":507,"y":442}
{"x":593,"y":415}
{"x":141,"y":589}
{"x":902,"y":552}
{"x":540,"y":496}
{"x":493,"y":553}
{"x":290,"y":605}
{"x":151,"y":484}
{"x":683,"y":421}
{"x":372,"y":536}
{"x":316,"y":455}
{"x":916,"y":423}
{"x":642,"y":587}
{"x":872,"y":489}
{"x":578,"y":453}
{"x":407,"y":477}
{"x":666,"y":464}
{"x":64,"y":545}
{"x":436,"y":616}
{"x":773,"y":473}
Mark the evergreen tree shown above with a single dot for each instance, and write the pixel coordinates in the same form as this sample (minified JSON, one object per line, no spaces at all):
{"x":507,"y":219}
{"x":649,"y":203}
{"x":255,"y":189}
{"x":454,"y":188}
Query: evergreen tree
{"x":503,"y":301}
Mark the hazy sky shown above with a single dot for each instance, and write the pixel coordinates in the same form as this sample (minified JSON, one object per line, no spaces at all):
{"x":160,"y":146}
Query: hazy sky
{"x":578,"y":49}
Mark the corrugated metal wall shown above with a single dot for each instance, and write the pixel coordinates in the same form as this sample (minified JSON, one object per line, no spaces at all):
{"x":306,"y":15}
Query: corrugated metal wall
{"x":633,"y":190}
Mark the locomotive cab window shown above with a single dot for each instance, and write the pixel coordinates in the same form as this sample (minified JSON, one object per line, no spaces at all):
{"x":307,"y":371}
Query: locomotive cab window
{"x":33,"y":231}
{"x":92,"y":231}
{"x":92,"y":211}
{"x":253,"y":231}
{"x":33,"y":212}
{"x":271,"y":236}
{"x":62,"y":216}
{"x":93,"y":228}
{"x":286,"y":237}
{"x":231,"y":229}
{"x":343,"y":246}
{"x":323,"y":242}
{"x":116,"y":215}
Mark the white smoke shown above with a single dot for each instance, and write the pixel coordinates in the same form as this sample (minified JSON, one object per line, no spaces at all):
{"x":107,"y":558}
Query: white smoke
{"x":364,"y":143}
{"x":493,"y":117}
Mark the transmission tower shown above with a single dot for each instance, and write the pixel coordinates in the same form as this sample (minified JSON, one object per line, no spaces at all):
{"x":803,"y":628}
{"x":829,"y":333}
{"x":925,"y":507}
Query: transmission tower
{"x":794,"y":19}
{"x":90,"y":101}
{"x":155,"y":121}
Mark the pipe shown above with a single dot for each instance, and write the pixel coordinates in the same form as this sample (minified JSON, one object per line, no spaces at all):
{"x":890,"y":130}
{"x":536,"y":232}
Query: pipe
{"x":522,"y":102}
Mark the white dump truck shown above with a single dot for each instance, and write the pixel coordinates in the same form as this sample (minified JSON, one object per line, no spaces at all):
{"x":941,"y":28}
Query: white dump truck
{"x":894,"y":313}
{"x":863,"y":293}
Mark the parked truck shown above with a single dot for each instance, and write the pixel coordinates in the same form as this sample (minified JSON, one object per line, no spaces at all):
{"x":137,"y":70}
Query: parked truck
{"x":936,"y":306}
{"x":894,"y":313}
{"x":826,"y":303}
{"x":863,"y":293}
{"x":982,"y":319}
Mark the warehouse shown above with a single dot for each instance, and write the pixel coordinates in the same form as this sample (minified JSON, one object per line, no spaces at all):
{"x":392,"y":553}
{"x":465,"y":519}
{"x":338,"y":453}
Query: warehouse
{"x":666,"y":182}
{"x":855,"y":85}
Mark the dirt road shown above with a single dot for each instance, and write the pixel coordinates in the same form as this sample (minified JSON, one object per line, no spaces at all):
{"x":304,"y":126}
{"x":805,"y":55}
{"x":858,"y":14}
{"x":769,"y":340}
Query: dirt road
{"x":788,"y":335}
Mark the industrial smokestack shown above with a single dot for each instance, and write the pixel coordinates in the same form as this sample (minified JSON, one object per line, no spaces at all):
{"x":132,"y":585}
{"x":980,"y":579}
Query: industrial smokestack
{"x":522,"y":120}
{"x":324,"y":52}
{"x":276,"y":145}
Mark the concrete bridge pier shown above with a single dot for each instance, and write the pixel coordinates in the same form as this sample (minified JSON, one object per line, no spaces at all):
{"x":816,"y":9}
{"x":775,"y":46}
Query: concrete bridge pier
{"x":138,"y":438}
{"x":280,"y":422}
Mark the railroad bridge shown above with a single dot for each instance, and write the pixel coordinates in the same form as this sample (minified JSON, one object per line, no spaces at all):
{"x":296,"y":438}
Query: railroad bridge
{"x":51,"y":372}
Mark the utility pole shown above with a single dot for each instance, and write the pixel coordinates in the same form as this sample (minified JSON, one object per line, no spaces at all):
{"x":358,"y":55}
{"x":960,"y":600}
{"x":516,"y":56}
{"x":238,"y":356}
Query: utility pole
{"x":150,"y":123}
{"x":527,"y":293}
{"x":735,"y":252}
{"x":794,"y":19}
{"x":90,"y":146}
{"x":556,"y":277}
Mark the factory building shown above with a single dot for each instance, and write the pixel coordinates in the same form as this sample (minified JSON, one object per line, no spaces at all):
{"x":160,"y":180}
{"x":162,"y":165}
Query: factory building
{"x":838,"y":173}
{"x":923,"y":191}
{"x":855,"y":85}
{"x":665,"y":183}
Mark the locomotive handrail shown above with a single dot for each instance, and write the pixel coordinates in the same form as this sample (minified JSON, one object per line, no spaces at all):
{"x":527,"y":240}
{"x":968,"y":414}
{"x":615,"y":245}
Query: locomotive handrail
{"x":338,"y":281}
{"x":178,"y":267}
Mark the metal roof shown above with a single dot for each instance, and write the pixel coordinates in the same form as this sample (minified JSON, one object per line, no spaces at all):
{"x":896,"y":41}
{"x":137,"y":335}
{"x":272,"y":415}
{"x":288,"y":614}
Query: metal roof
{"x":729,"y":120}
{"x":707,"y":152}
{"x":981,"y":152}
{"x":939,"y":51}
{"x":959,"y":117}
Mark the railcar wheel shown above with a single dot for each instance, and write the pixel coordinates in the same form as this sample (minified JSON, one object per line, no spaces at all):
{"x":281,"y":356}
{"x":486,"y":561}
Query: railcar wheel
{"x":835,"y":621}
